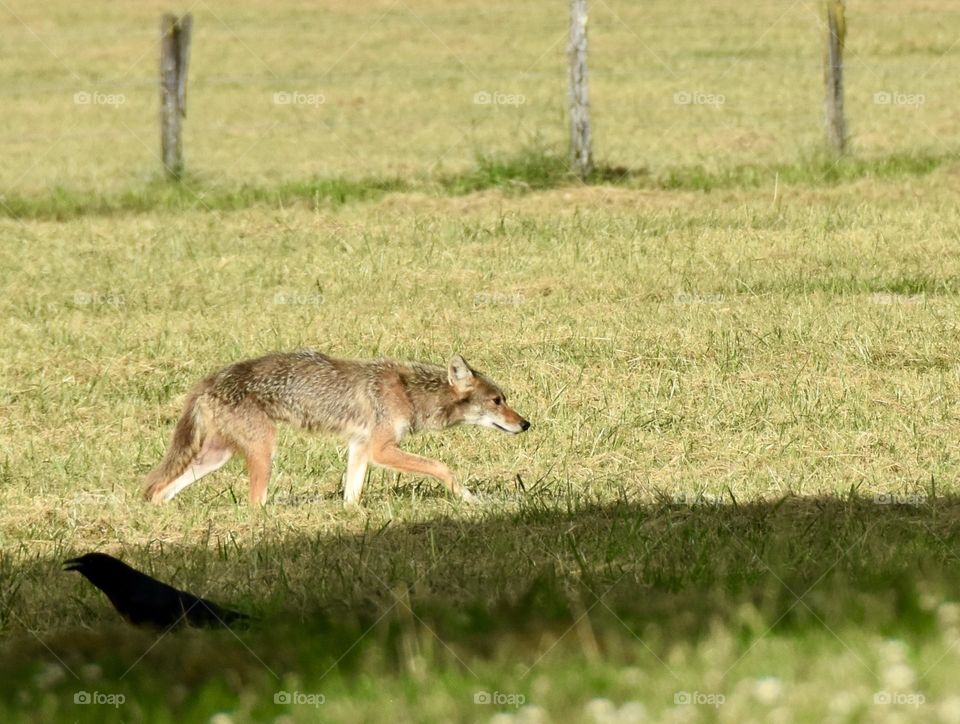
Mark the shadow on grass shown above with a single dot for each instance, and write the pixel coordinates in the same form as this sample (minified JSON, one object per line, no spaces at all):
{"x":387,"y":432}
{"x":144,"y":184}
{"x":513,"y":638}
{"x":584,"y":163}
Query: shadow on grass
{"x":511,"y":579}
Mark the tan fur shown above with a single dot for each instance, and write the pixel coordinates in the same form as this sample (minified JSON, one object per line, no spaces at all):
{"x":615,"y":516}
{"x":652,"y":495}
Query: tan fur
{"x":187,"y":436}
{"x":370,"y":404}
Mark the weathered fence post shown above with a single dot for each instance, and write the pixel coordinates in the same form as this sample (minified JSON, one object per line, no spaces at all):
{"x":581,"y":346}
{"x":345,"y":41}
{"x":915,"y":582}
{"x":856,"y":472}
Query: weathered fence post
{"x":174,"y":57}
{"x":833,"y":73}
{"x":581,"y":156}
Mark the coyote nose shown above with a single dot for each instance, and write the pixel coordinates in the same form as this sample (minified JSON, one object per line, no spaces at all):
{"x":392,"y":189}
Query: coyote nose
{"x":524,"y":425}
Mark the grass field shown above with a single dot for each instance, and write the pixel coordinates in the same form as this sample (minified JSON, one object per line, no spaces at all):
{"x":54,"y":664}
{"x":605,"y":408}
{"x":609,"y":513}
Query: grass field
{"x":738,"y":500}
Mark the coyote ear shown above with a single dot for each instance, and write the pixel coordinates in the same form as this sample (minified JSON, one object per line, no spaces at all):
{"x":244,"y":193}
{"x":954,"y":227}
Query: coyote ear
{"x":459,"y":373}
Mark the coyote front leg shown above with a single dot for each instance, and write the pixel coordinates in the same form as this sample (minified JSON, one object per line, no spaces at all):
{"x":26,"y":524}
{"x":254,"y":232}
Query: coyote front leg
{"x":385,"y":453}
{"x":358,"y":457}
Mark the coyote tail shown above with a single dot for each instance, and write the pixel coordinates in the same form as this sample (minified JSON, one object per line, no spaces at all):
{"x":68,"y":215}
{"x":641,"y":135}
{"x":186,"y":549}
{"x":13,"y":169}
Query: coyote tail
{"x":188,"y":437}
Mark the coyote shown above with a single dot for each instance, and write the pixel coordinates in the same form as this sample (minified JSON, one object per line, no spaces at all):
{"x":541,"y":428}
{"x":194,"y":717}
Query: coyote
{"x":370,"y":404}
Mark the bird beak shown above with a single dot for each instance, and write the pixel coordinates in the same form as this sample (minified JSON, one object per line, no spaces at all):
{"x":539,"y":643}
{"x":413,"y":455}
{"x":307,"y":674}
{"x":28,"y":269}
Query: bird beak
{"x":74,"y":564}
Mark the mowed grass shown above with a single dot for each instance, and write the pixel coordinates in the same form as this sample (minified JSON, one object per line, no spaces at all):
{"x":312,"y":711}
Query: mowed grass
{"x":739,"y":486}
{"x":738,"y":500}
{"x":388,"y":89}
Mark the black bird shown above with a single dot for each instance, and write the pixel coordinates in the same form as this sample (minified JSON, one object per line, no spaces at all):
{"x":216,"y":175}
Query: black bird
{"x":145,"y":601}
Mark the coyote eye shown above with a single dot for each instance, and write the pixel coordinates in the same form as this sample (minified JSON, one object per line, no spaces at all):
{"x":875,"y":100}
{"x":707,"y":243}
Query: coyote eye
{"x":497,"y":401}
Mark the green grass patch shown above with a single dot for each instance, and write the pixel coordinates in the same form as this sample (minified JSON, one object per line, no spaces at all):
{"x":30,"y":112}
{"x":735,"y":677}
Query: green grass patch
{"x":815,"y":171}
{"x":192,"y":193}
{"x":531,"y":169}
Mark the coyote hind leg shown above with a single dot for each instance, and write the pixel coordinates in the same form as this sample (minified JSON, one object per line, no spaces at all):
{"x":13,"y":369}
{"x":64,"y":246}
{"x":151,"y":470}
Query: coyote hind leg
{"x":212,"y":456}
{"x":258,"y":454}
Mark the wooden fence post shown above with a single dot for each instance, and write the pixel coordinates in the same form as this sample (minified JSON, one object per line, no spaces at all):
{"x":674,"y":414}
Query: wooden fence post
{"x":581,"y":156}
{"x":833,"y":73}
{"x":174,"y":58}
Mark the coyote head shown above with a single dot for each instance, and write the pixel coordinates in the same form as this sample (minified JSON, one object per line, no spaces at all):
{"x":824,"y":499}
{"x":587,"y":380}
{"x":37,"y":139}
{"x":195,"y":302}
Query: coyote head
{"x":481,"y":402}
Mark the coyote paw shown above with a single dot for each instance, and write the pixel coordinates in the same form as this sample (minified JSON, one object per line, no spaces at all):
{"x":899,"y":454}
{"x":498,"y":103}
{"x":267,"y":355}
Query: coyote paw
{"x":154,"y":495}
{"x":467,"y":497}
